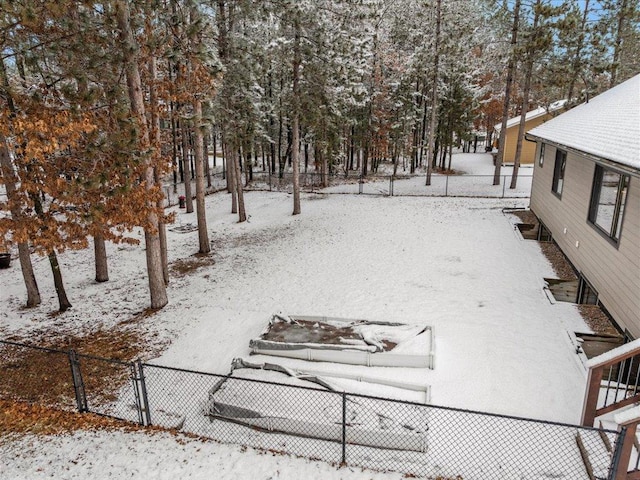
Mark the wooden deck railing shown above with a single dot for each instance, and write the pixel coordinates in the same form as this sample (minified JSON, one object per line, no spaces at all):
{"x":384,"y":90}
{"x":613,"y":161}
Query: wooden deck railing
{"x":613,"y":383}
{"x":628,"y":422}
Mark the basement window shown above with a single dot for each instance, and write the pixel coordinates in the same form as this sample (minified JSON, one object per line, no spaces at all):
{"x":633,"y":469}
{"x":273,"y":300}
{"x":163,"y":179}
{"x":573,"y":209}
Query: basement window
{"x":608,"y":199}
{"x":575,"y":290}
{"x":587,"y":295}
{"x":544,"y":234}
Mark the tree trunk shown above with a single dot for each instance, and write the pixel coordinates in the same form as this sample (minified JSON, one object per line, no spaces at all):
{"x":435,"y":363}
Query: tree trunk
{"x":242,"y":215}
{"x":174,"y":148}
{"x":100,"y":250}
{"x":187,"y":167}
{"x":325,"y":168}
{"x":155,"y":137}
{"x":511,"y":67}
{"x":231,"y":180}
{"x":423,"y":133}
{"x":205,"y":155}
{"x":10,"y":181}
{"x":162,"y":230}
{"x":295,"y":122}
{"x":63,"y":301}
{"x":203,"y":235}
{"x":306,"y":157}
{"x":525,"y":95}
{"x":248,"y":166}
{"x":414,"y":149}
{"x":365,"y":158}
{"x":33,"y":294}
{"x":280,"y":160}
{"x":157,"y":288}
{"x":214,"y":138}
{"x":434,"y":95}
{"x":352,"y":147}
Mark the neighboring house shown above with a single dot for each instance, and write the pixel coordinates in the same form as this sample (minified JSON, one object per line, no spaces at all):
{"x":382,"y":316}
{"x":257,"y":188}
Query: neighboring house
{"x":586,"y":192}
{"x":533,"y":119}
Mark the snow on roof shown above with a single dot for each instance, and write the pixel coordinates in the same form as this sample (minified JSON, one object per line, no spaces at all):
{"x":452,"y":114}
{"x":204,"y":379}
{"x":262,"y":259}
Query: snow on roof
{"x":538,"y":112}
{"x":607,"y":127}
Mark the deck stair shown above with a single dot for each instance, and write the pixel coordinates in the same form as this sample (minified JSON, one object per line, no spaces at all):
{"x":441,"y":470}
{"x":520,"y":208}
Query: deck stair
{"x":608,"y":423}
{"x":612,"y":403}
{"x":595,"y":453}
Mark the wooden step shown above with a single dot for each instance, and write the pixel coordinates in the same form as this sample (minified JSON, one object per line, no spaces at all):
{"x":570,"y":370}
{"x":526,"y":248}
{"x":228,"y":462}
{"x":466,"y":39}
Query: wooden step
{"x":608,"y":438}
{"x":595,"y":455}
{"x":609,"y":441}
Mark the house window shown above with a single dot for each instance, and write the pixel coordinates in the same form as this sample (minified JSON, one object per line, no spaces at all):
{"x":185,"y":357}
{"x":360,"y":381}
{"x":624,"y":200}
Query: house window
{"x":541,"y":155}
{"x":587,"y":295}
{"x":608,"y":199}
{"x":558,"y":172}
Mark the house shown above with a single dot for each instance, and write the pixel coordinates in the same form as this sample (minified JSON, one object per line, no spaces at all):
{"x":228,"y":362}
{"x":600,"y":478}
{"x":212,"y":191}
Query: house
{"x":533,"y":119}
{"x":586,"y":193}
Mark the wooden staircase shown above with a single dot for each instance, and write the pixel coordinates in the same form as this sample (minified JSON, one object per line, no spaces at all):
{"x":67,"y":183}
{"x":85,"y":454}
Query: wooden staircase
{"x":598,"y":454}
{"x":596,"y":457}
{"x":612,"y":398}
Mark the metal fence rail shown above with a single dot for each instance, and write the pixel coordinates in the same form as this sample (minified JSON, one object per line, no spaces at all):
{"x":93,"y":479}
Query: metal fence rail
{"x":338,"y":427}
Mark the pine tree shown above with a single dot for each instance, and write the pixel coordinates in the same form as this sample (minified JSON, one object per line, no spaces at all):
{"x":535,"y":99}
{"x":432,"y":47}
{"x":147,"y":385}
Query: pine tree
{"x":130,"y":50}
{"x":10,"y":182}
{"x":511,"y":67}
{"x":619,"y":30}
{"x":434,"y":93}
{"x":537,"y":41}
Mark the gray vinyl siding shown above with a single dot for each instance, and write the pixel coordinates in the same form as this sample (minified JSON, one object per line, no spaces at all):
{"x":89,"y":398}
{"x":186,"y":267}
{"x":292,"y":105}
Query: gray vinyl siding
{"x":614,"y":271}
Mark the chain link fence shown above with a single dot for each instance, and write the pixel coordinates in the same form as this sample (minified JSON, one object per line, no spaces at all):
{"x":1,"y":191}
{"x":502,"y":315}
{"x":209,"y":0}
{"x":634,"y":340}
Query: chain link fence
{"x":36,"y":375}
{"x":336,"y":427}
{"x":480,"y":186}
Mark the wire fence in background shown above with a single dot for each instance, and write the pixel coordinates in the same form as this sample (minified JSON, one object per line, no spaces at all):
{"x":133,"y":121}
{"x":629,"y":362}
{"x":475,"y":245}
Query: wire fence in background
{"x":374,"y":184}
{"x":337,"y":427}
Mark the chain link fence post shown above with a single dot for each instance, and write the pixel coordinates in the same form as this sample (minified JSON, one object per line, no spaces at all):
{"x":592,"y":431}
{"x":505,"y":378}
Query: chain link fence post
{"x":142,"y":399}
{"x":344,"y":429}
{"x":133,"y":376}
{"x":78,"y":383}
{"x":617,"y":454}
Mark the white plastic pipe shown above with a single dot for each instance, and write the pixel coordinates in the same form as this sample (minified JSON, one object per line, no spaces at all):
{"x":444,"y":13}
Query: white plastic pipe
{"x":352,"y":357}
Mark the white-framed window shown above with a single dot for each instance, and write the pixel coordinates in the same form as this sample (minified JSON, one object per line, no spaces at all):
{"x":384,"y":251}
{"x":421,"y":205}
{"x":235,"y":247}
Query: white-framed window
{"x":608,"y":200}
{"x":558,"y":172}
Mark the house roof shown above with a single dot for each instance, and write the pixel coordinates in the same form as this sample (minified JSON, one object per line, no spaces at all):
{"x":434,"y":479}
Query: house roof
{"x":538,"y":112}
{"x":607,"y":127}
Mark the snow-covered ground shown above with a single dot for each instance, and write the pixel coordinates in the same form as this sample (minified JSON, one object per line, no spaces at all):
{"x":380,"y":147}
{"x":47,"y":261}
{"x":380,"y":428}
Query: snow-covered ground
{"x":456,"y":264}
{"x":119,"y":455}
